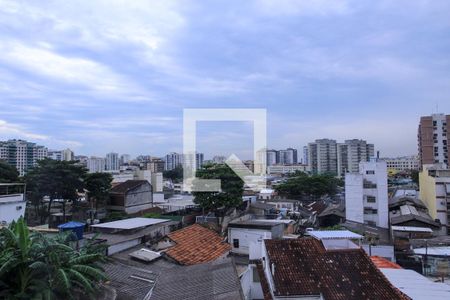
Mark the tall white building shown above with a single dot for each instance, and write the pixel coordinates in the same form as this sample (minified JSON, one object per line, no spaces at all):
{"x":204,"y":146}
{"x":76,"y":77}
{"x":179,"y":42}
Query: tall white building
{"x":351,"y":153}
{"x":173,"y":160}
{"x":112,"y":161}
{"x":323,"y":156}
{"x":366,"y":194}
{"x":96,"y":164}
{"x":61,"y":155}
{"x":22,"y":154}
{"x":305,"y":155}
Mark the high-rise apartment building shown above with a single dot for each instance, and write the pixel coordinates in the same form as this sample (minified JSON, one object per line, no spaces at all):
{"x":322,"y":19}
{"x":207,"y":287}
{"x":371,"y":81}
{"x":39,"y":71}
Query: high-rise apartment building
{"x":272,"y":157}
{"x":351,"y":153}
{"x":61,"y":155}
{"x":366,"y":194}
{"x":328,"y":156}
{"x":287,"y":157}
{"x":173,"y":160}
{"x":96,"y":164}
{"x":433,"y":139}
{"x":156,"y":165}
{"x":22,"y":154}
{"x":305,"y":155}
{"x":112,"y":161}
{"x":323,"y":156}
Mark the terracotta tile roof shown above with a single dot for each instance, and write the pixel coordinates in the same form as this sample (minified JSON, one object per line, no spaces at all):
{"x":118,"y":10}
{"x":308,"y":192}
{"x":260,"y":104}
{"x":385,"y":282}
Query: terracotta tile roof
{"x":196,"y":244}
{"x":381,"y":262}
{"x":304,"y":267}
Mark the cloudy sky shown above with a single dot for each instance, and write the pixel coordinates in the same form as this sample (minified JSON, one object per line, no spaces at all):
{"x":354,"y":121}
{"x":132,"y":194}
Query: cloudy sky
{"x":101,"y":76}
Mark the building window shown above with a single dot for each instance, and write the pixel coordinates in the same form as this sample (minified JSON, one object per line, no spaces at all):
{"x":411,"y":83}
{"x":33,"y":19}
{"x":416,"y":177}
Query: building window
{"x":370,"y":172}
{"x":236,"y":243}
{"x":371,"y":199}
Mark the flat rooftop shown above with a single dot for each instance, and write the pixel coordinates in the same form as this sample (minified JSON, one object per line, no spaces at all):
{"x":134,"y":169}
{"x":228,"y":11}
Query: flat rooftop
{"x":131,"y":223}
{"x":334,"y":234}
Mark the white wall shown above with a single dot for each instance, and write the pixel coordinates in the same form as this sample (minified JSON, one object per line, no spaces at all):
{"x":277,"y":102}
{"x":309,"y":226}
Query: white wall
{"x":247,"y":238}
{"x":354,"y":208}
{"x":11,"y":207}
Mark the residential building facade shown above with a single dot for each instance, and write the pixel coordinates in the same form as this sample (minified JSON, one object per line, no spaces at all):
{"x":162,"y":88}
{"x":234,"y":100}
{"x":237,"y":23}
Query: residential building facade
{"x":112,"y":161}
{"x":323,"y":156}
{"x":366,"y":194}
{"x":288,"y":156}
{"x":433,"y":139}
{"x":22,"y":154}
{"x":351,"y":153}
{"x":173,"y":160}
{"x":434,"y":182}
{"x":96,"y":164}
{"x":405,"y":163}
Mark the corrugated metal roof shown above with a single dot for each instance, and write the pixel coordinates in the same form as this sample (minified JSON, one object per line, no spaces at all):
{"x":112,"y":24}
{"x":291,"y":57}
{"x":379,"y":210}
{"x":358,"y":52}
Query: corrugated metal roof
{"x":334,"y":234}
{"x":131,"y":223}
{"x":416,"y":286}
{"x":411,"y":229}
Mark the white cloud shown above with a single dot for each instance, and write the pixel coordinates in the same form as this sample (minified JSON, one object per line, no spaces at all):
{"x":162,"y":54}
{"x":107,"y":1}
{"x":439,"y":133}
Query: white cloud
{"x":9,"y":130}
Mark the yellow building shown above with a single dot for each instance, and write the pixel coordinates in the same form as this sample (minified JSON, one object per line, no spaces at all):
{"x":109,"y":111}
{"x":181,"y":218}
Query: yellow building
{"x":434,"y":183}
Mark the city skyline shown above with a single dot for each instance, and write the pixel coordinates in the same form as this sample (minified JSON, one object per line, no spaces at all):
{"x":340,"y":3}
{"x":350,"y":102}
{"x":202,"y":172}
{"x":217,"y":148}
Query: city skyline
{"x":120,"y":81}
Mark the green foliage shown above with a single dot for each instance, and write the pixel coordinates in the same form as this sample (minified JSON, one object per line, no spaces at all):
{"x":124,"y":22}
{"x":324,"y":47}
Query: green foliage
{"x":35,"y":266}
{"x":232,"y":188}
{"x":98,"y":186}
{"x":55,"y":179}
{"x":415,"y":176}
{"x":176,"y":174}
{"x":8,"y":173}
{"x":300,"y":184}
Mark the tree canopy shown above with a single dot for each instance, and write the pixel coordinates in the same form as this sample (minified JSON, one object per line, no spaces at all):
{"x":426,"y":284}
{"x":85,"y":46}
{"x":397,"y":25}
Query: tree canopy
{"x":232,"y":188}
{"x":56,"y":179}
{"x":301,"y":184}
{"x":176,"y":175}
{"x":98,"y":186}
{"x":8,"y":173}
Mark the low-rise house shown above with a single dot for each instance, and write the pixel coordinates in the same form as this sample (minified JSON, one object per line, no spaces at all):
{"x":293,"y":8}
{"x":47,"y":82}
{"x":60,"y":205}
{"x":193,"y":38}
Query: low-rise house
{"x":305,"y":269}
{"x":193,"y":245}
{"x":242,"y":234}
{"x":410,"y":211}
{"x":124,"y":234}
{"x":131,"y":196}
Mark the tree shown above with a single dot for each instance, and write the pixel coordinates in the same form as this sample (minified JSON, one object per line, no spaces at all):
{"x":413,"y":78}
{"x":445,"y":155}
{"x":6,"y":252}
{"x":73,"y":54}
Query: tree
{"x":98,"y":186}
{"x":176,"y":175}
{"x":8,"y":173}
{"x":232,"y":188}
{"x":314,"y":186}
{"x":35,"y":266}
{"x":61,"y":180}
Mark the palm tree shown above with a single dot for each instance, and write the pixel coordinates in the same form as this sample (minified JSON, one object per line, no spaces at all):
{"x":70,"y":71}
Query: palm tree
{"x":19,"y":251}
{"x":34,"y":266}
